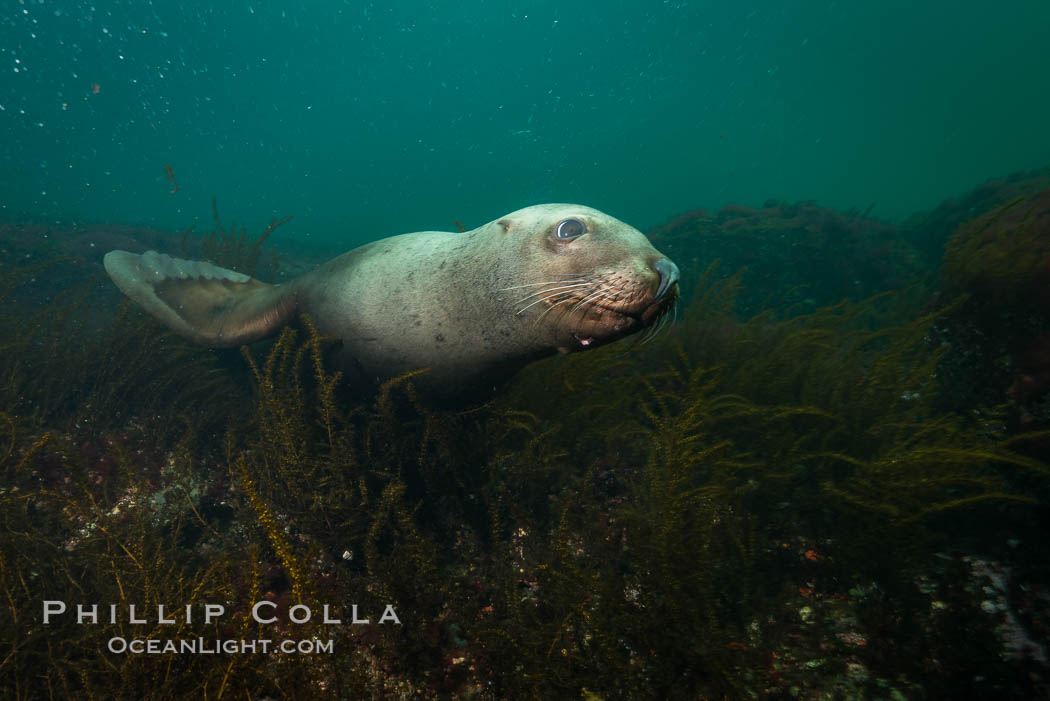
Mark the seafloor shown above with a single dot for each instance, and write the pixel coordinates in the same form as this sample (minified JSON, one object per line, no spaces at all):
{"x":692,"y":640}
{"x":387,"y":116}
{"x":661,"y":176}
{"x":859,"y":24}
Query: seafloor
{"x":828,"y":480}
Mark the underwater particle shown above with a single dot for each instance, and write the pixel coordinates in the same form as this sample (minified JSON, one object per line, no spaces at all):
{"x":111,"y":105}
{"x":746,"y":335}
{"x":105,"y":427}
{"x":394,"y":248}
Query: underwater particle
{"x":348,"y":555}
{"x":170,"y":173}
{"x":806,"y":614}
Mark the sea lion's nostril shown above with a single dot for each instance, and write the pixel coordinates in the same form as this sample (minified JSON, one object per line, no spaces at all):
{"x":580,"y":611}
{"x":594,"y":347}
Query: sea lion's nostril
{"x":668,"y":273}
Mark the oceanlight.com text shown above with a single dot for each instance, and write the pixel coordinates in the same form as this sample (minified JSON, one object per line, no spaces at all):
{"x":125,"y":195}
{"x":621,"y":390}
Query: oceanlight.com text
{"x":218,"y":646}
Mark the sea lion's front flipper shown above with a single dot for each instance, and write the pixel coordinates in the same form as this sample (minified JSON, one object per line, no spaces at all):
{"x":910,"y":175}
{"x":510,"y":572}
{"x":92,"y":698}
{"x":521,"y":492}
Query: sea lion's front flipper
{"x":204,"y":303}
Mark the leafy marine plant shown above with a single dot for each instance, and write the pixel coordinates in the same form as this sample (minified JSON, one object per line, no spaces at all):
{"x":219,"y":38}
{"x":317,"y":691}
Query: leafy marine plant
{"x":109,"y":528}
{"x":753,"y":435}
{"x":126,"y":510}
{"x":327,"y":480}
{"x":101,"y":499}
{"x":72,"y":368}
{"x":236,"y":250}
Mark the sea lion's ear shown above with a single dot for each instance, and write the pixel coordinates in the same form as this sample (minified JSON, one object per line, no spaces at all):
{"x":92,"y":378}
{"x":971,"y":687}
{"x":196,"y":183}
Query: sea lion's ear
{"x":204,"y":303}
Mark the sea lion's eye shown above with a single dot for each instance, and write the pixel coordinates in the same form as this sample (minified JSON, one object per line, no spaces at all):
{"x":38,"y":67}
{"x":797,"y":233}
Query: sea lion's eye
{"x":569,"y":229}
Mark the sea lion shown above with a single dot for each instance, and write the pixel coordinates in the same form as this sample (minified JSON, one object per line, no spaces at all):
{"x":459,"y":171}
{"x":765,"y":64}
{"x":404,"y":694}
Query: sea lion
{"x":472,"y":307}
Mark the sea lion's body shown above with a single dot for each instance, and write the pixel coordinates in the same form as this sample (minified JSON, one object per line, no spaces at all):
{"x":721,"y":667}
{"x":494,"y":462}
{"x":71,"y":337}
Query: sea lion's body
{"x":412,"y":309}
{"x":470,"y":307}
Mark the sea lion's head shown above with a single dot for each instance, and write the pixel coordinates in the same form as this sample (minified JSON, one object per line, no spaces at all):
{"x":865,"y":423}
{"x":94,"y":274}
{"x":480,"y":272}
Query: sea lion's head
{"x":582,"y":277}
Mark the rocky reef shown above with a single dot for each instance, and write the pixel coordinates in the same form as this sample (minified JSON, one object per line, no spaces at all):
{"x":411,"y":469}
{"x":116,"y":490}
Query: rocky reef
{"x":1001,"y":261}
{"x":797,"y":256}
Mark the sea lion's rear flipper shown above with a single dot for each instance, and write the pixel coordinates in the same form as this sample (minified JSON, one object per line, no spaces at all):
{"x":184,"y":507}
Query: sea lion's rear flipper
{"x":204,"y":303}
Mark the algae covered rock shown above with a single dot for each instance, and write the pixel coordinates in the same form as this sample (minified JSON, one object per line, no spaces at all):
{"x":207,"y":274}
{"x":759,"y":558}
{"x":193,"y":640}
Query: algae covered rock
{"x":1002,"y":332}
{"x":795,"y":254}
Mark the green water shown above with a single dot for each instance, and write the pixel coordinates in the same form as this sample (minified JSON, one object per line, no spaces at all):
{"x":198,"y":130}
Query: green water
{"x":368,"y":119}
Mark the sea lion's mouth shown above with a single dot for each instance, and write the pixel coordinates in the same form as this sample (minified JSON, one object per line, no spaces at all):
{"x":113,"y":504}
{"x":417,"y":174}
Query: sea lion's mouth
{"x":593,"y":311}
{"x":647,"y":313}
{"x":600,"y":324}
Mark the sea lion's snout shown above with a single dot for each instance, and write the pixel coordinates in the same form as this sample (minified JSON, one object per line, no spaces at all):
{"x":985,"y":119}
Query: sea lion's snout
{"x":663,"y":298}
{"x":668,"y":273}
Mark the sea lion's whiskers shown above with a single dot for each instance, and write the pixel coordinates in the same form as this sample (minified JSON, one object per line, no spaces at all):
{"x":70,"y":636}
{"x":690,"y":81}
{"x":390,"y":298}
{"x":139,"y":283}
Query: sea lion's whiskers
{"x":642,"y":338}
{"x":566,"y":298}
{"x":541,"y":299}
{"x":673,"y":314}
{"x":573,"y":278}
{"x":648,"y":335}
{"x":553,"y":289}
{"x":591,"y":302}
{"x":651,"y":332}
{"x":587,"y":299}
{"x":611,"y":296}
{"x":657,"y":326}
{"x":661,"y":324}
